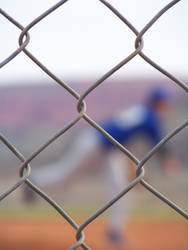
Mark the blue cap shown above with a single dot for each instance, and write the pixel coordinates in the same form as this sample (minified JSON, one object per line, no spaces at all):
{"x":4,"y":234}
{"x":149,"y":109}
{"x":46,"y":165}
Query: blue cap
{"x":158,"y":94}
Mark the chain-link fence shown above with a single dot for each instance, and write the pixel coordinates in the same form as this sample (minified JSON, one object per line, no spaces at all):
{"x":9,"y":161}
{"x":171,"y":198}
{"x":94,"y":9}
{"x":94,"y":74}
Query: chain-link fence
{"x":25,"y":168}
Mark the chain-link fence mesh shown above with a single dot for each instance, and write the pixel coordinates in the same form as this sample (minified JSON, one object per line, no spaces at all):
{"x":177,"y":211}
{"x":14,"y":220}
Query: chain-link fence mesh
{"x":25,"y":168}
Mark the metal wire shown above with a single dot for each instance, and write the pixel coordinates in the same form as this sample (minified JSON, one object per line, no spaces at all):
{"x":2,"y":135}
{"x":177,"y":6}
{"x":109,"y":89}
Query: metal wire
{"x":25,"y":168}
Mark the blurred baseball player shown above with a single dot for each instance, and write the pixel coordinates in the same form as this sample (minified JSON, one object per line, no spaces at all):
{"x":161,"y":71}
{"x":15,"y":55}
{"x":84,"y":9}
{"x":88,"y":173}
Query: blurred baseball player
{"x":143,"y":119}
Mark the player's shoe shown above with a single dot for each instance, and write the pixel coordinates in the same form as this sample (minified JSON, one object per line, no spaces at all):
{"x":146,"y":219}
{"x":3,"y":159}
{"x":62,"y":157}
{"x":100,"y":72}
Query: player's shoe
{"x":117,"y":240}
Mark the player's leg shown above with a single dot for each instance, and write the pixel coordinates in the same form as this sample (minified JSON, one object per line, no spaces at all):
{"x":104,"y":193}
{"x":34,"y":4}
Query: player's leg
{"x":116,"y":176}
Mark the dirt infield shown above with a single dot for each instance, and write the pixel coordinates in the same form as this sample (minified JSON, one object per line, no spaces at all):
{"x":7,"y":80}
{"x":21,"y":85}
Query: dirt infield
{"x":51,"y":235}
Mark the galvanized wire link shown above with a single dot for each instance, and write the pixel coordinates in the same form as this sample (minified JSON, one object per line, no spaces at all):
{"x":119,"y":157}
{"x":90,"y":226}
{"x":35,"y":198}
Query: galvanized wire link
{"x":25,"y":168}
{"x":16,"y":52}
{"x":20,"y":157}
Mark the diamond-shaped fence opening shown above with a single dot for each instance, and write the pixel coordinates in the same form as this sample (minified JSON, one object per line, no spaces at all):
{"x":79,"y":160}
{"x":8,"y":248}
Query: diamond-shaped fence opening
{"x":25,"y":168}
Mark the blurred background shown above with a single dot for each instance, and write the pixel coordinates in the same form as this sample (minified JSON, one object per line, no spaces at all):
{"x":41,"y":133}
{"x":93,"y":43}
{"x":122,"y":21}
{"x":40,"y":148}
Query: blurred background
{"x":79,"y":42}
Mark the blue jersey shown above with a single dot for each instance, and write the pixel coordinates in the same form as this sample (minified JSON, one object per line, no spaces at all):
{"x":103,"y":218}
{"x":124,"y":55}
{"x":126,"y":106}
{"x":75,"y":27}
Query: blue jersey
{"x":138,"y":120}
